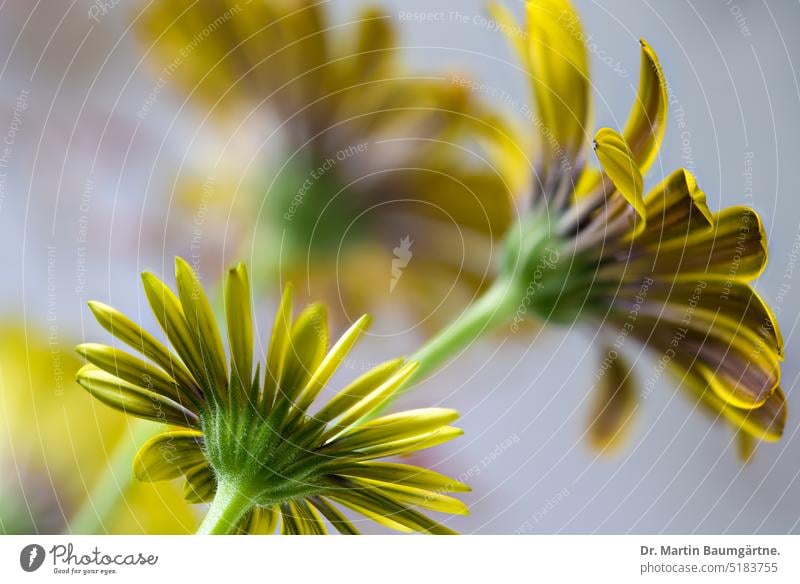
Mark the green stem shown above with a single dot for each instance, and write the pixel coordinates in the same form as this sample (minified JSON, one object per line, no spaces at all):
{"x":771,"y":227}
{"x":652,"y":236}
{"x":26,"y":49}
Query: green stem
{"x":93,"y":515}
{"x":495,"y":307}
{"x":226,"y":511}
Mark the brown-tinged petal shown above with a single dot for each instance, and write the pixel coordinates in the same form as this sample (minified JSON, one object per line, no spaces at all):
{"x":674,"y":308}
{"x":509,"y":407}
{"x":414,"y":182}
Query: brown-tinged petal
{"x":615,"y":403}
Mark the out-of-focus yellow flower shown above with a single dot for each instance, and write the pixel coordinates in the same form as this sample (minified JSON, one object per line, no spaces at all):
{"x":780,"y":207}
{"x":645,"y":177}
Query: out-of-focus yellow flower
{"x":659,"y":268}
{"x":386,"y":177}
{"x":55,"y":444}
{"x":250,"y":444}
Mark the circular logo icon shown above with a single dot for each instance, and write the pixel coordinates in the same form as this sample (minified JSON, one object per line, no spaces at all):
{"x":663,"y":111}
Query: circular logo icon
{"x":31,"y":557}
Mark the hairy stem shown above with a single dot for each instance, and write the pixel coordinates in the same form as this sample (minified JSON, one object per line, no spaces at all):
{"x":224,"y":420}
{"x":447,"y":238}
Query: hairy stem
{"x":227,"y":509}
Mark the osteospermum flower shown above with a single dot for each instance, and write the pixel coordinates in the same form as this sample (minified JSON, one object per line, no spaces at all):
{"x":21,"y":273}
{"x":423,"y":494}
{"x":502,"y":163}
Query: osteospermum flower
{"x":379,"y":165}
{"x":660,"y":268}
{"x":253,"y":443}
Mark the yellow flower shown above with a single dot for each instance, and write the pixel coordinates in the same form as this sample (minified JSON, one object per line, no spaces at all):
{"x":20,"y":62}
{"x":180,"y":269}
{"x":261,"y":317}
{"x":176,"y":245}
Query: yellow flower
{"x":250,"y":441}
{"x":385,"y":176}
{"x":659,"y":268}
{"x":55,"y":446}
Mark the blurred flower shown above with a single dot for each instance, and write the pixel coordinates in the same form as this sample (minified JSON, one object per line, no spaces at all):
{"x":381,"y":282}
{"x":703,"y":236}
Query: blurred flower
{"x":51,"y":452}
{"x":661,"y":269}
{"x":251,"y":443}
{"x":371,"y":155}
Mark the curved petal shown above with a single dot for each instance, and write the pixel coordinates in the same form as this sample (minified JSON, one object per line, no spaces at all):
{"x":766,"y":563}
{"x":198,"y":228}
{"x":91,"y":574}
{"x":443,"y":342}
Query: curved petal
{"x":169,"y":455}
{"x":646,"y":123}
{"x":619,"y":164}
{"x":615,"y":403}
{"x":742,"y":374}
{"x":731,"y":311}
{"x":511,"y":30}
{"x":129,"y":368}
{"x":139,"y":339}
{"x":676,"y":208}
{"x":133,"y":400}
{"x":764,"y":423}
{"x":736,"y":247}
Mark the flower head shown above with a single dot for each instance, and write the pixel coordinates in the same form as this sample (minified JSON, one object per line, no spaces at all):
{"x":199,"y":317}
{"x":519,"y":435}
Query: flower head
{"x":252,"y":437}
{"x":371,"y":152}
{"x":660,"y":268}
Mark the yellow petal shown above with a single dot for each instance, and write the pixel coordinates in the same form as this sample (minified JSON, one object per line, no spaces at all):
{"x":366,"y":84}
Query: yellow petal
{"x":675,"y":208}
{"x":168,"y":311}
{"x":261,"y":521}
{"x":136,"y":337}
{"x":168,"y":456}
{"x":412,"y":476}
{"x":133,"y":400}
{"x":415,"y":496}
{"x":202,"y":324}
{"x":372,"y":400}
{"x":560,"y":70}
{"x":745,"y":447}
{"x":389,"y":512}
{"x":394,"y":427}
{"x":763,"y":423}
{"x":408,"y":445}
{"x":307,"y":519}
{"x":377,"y":517}
{"x":618,"y":163}
{"x":200,"y":484}
{"x":239,"y":316}
{"x":278,"y":346}
{"x":331,"y":362}
{"x":615,"y":404}
{"x":130,"y":369}
{"x":334,"y":516}
{"x":309,"y":342}
{"x":644,"y":130}
{"x":358,"y":390}
{"x":511,"y":30}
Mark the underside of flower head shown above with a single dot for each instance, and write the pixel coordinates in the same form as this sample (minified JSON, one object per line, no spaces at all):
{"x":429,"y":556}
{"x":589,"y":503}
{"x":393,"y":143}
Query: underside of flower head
{"x":659,"y":268}
{"x":374,"y":151}
{"x":257,"y":431}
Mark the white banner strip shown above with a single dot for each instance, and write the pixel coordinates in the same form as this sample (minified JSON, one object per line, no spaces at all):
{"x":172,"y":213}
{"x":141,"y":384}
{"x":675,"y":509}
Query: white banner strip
{"x":399,"y":559}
